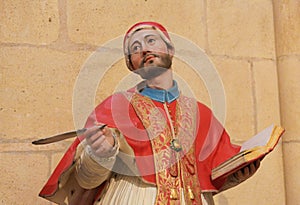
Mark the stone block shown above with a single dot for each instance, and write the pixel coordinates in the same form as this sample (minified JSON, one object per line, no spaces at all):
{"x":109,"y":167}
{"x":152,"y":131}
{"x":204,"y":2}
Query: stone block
{"x":289,"y":75}
{"x":96,"y":22}
{"x":56,"y":159}
{"x":32,"y":22}
{"x":266,"y":93}
{"x":241,"y":28}
{"x":36,"y":91}
{"x":117,"y":78}
{"x":22,"y":176}
{"x":287,"y":23}
{"x":292,"y":166}
{"x":28,"y":147}
{"x":191,"y":84}
{"x":238,"y":84}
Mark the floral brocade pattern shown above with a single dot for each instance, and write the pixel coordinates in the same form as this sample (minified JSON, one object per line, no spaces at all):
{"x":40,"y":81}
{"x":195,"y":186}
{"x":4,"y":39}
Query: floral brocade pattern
{"x":174,"y":170}
{"x":187,"y":118}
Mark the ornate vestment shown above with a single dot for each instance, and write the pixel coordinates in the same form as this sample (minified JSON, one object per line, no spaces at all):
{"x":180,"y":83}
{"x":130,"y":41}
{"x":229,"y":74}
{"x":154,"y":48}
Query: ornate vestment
{"x":172,"y":146}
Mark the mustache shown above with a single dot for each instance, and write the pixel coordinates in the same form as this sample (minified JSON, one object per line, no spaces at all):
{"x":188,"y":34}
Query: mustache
{"x":147,"y":56}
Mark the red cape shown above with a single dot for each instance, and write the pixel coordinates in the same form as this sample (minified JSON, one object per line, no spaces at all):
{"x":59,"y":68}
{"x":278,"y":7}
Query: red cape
{"x":212,"y":143}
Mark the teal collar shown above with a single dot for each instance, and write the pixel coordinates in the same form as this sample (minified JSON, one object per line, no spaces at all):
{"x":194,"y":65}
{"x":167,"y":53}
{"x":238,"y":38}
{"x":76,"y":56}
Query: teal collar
{"x":162,"y":95}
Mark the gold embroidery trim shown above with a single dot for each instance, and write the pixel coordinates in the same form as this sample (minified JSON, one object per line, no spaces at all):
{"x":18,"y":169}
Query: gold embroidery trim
{"x":168,"y":187}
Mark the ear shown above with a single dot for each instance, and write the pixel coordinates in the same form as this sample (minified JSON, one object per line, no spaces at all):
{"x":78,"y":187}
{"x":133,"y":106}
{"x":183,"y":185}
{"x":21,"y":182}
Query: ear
{"x":171,"y":49}
{"x":129,"y":63}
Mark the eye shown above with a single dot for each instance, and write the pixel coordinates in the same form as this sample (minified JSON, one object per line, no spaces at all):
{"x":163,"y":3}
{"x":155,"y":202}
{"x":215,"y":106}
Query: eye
{"x":135,"y":48}
{"x":151,"y":41}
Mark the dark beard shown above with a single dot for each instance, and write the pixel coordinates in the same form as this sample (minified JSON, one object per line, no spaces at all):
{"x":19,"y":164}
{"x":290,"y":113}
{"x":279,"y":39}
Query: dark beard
{"x":156,"y":69}
{"x":148,"y":73}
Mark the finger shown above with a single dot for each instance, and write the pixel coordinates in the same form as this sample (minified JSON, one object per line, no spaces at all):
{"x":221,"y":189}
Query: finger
{"x":97,"y":135}
{"x":239,"y":175}
{"x":93,"y":138}
{"x":254,"y":166}
{"x":252,"y":169}
{"x":257,"y":163}
{"x":246,"y":172}
{"x":103,"y":142}
{"x":103,"y":150}
{"x":90,"y":131}
{"x":98,"y":143}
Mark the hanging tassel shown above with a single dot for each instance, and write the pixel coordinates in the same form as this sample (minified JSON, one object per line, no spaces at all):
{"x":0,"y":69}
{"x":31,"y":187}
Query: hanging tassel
{"x":190,"y":193}
{"x":173,"y":194}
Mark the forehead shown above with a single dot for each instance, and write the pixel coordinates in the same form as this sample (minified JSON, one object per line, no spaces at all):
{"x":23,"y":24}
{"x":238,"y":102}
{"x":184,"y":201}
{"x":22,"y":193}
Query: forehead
{"x":142,"y":34}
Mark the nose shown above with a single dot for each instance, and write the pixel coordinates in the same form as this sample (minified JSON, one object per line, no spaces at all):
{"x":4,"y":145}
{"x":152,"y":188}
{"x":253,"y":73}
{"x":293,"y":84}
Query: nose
{"x":145,"y":48}
{"x":145,"y":52}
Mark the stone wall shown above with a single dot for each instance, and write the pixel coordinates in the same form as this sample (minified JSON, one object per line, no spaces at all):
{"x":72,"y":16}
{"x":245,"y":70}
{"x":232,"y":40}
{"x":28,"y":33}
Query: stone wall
{"x":287,"y":27}
{"x":254,"y":46}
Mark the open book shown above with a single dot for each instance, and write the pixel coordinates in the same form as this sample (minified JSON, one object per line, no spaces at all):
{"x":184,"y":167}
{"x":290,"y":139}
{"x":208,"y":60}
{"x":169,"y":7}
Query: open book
{"x":255,"y":148}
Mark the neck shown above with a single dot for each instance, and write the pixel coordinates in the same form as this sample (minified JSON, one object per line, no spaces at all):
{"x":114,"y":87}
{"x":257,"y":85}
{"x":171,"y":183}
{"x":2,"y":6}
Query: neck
{"x":162,"y":82}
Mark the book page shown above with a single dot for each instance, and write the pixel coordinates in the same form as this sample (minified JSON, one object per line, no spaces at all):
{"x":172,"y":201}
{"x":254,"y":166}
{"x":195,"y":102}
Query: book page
{"x":261,"y":139}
